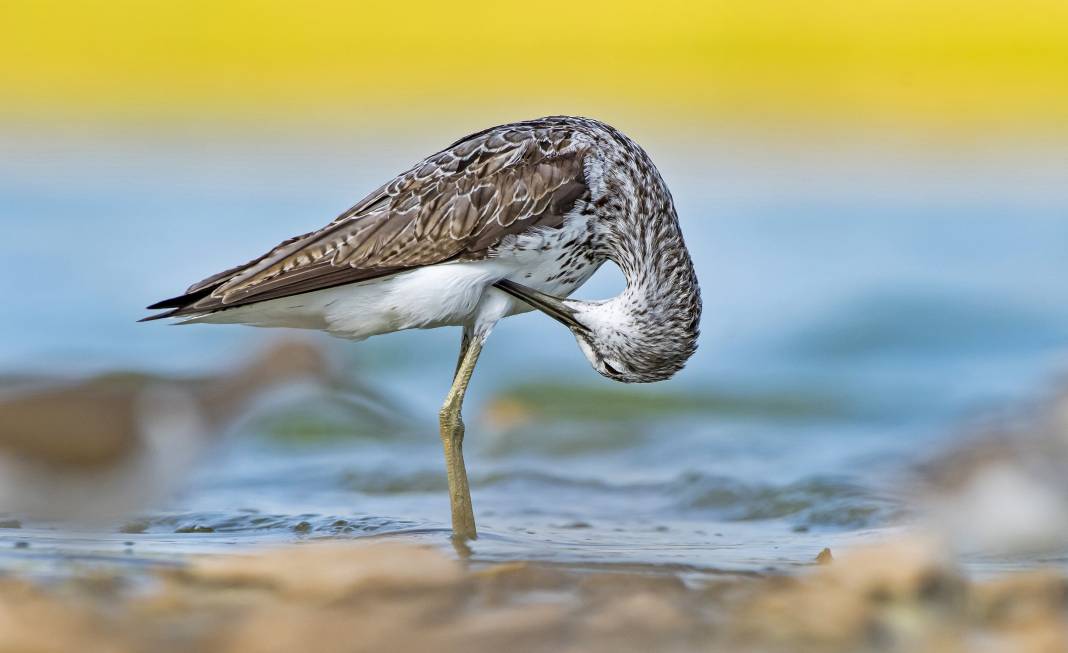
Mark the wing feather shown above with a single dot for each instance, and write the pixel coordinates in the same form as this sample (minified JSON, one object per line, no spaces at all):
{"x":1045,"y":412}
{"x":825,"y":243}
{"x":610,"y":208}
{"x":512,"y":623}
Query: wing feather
{"x":457,"y":204}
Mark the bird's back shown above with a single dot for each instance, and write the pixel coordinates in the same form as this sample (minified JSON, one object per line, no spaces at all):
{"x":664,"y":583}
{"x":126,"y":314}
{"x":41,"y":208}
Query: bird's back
{"x":460,"y":204}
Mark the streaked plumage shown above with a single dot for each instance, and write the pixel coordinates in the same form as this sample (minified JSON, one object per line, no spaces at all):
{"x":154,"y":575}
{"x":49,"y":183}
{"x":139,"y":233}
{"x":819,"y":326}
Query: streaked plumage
{"x":510,"y":218}
{"x":456,"y":205}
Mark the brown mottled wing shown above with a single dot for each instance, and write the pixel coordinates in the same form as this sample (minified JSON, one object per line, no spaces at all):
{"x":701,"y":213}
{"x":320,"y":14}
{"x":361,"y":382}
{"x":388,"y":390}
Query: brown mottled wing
{"x":455,"y":205}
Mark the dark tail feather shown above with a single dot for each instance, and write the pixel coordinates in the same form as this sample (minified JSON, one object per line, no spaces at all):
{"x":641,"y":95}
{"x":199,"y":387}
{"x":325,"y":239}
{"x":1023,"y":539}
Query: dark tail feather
{"x":183,"y":300}
{"x":177,"y":304}
{"x":159,"y":316}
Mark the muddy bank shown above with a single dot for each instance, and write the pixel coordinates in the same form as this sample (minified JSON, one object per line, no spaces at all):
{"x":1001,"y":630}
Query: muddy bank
{"x":396,"y":596}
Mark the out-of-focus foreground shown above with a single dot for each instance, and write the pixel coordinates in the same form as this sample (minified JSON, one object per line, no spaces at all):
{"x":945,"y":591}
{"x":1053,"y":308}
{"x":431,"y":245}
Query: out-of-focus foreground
{"x":905,"y":593}
{"x":903,"y":597}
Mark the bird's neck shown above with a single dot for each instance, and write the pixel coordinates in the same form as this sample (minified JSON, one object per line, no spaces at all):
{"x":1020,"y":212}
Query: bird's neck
{"x":661,"y":283}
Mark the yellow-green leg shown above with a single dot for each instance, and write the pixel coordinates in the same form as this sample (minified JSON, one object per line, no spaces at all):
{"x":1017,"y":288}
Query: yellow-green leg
{"x":452,"y":439}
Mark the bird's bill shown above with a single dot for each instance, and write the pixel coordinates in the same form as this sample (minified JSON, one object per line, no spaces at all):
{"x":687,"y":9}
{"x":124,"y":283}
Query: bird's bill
{"x":554,"y":307}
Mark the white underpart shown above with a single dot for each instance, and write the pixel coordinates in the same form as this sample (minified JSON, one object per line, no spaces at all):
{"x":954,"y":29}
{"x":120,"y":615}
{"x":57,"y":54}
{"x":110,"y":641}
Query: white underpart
{"x":447,"y":294}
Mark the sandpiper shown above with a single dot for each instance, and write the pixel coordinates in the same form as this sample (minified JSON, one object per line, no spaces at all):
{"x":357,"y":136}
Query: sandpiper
{"x":106,"y":446}
{"x":506,"y":220}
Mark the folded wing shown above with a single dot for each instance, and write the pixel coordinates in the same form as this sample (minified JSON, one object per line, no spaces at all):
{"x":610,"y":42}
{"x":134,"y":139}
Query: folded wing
{"x":457,"y":204}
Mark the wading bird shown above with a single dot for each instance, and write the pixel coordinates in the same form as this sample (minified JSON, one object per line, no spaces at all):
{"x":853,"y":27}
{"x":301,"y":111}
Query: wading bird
{"x":508,"y":219}
{"x":110,"y":445}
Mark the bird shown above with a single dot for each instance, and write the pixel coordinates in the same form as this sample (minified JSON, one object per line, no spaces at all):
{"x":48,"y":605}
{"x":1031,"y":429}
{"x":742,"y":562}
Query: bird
{"x":95,"y":449}
{"x":506,"y":220}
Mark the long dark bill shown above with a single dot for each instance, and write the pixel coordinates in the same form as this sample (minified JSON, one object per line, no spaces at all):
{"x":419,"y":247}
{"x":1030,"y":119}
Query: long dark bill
{"x":554,"y":307}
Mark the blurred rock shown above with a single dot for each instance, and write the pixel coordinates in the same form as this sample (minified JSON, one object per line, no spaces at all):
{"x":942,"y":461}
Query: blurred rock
{"x":902,"y":596}
{"x":1003,"y":491}
{"x":34,"y":620}
{"x":896,"y":592}
{"x":329,"y":572}
{"x":105,"y":446}
{"x":504,"y":581}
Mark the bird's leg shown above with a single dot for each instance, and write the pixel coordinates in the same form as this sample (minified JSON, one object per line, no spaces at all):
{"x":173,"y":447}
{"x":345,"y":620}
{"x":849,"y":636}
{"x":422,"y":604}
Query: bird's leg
{"x":452,"y":438}
{"x":465,"y":341}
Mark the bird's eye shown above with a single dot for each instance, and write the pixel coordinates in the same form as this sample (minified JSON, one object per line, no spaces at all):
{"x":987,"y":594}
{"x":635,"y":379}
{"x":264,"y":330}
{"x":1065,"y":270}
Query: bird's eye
{"x":611,"y":370}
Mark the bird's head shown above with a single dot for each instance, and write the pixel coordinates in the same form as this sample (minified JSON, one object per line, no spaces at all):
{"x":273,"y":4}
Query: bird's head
{"x":622,"y":341}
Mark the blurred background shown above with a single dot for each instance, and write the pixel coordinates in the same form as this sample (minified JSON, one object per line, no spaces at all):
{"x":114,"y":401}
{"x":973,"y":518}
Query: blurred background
{"x":875,"y":195}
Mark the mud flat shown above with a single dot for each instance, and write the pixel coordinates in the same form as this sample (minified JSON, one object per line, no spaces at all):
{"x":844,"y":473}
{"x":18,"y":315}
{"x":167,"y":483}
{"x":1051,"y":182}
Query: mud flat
{"x":397,"y":596}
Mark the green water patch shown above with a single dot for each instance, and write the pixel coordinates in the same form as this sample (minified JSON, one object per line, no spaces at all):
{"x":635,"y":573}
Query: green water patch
{"x":548,"y":400}
{"x":388,"y":482}
{"x":812,"y":502}
{"x":567,"y":420}
{"x":562,"y":438}
{"x":328,"y":419}
{"x":433,"y":481}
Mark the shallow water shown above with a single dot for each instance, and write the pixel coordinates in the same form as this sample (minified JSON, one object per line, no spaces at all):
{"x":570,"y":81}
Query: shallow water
{"x":844,"y":338}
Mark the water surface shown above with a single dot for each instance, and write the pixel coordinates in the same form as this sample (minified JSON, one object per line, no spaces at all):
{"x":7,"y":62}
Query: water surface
{"x":847,"y":334}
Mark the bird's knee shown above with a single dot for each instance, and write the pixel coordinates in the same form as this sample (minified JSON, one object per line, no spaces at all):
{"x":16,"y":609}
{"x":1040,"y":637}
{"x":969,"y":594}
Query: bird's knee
{"x":449,"y":418}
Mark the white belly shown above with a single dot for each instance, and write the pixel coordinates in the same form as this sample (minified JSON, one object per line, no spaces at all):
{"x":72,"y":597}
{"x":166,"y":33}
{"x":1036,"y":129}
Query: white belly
{"x":447,"y":294}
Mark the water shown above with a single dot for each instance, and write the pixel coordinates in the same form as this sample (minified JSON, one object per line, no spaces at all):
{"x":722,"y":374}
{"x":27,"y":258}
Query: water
{"x":848,"y":332}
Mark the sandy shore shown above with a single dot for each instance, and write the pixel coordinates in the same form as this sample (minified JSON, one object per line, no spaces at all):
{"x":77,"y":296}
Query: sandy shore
{"x":397,"y":596}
